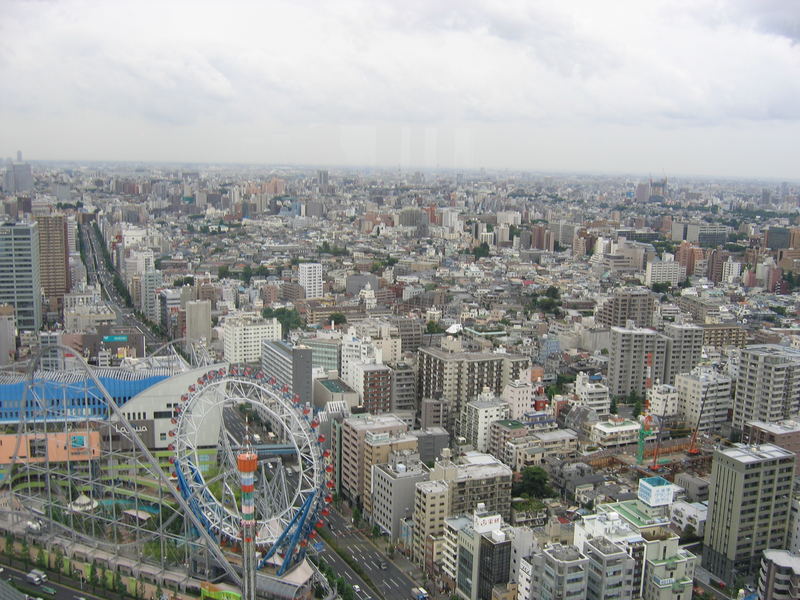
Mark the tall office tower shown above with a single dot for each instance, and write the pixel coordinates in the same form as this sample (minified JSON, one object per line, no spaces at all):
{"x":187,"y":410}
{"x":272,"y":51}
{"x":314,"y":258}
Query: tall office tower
{"x":309,"y":276}
{"x":779,"y":578}
{"x":322,"y":179}
{"x":767,"y":385}
{"x":704,"y":398}
{"x":635,"y":304}
{"x":636,"y":359}
{"x":53,"y":259}
{"x":19,"y":261}
{"x":290,"y":365}
{"x":684,"y":349}
{"x":149,"y":283}
{"x":748,"y":508}
{"x":198,"y":320}
{"x":8,"y":334}
{"x":18,"y":178}
{"x":483,"y":551}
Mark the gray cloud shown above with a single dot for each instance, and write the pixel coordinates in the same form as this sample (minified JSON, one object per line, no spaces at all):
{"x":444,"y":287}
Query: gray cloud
{"x":276,"y":68}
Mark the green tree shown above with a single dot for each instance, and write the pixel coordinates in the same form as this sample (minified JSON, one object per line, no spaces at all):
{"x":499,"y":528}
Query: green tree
{"x":25,"y":551}
{"x":552,"y":292}
{"x":356,"y":516}
{"x":637,"y":407}
{"x":434,"y":327}
{"x":338,"y":318}
{"x":613,"y":408}
{"x":534,"y":483}
{"x":40,"y":559}
{"x":119,"y":586}
{"x":223,"y":272}
{"x":93,"y":574}
{"x":660,"y":288}
{"x":481,"y":251}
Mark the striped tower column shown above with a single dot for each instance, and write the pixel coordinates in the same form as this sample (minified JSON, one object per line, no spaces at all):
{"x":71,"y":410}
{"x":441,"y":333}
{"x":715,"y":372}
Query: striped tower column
{"x":247,"y":463}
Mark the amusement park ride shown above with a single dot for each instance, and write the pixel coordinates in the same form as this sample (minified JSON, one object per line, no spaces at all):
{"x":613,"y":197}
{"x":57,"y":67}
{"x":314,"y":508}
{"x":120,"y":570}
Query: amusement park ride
{"x":248,"y":517}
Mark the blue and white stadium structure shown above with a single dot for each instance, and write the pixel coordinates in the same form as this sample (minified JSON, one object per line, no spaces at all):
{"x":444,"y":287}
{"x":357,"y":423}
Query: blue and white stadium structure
{"x":136,"y":468}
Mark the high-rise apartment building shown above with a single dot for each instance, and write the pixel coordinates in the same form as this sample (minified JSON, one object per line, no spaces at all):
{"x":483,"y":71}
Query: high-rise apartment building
{"x":244,"y":335}
{"x":748,"y":508}
{"x":767,"y":385}
{"x":290,"y":365}
{"x":350,"y":447}
{"x":636,"y":360}
{"x":635,"y":304}
{"x":20,"y":284}
{"x":53,"y":259}
{"x":198,"y":320}
{"x":309,"y":276}
{"x":477,"y":416}
{"x":704,"y":398}
{"x":457,"y":377}
{"x":684,"y":349}
{"x":456,"y":488}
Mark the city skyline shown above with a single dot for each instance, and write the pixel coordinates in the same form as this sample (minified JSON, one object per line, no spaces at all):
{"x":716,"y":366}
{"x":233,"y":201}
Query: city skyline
{"x":701,"y":89}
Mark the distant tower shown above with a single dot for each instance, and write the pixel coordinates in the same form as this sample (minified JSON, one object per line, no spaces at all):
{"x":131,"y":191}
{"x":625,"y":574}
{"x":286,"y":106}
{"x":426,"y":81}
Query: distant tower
{"x":247,"y":463}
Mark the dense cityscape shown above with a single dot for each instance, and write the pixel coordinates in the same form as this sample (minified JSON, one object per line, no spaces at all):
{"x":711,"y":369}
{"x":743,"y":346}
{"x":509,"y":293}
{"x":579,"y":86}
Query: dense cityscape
{"x":480,"y":385}
{"x":373,"y":300}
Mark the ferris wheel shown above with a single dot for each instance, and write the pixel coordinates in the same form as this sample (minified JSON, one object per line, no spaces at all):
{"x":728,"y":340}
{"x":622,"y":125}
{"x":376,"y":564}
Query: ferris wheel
{"x":293,"y":480}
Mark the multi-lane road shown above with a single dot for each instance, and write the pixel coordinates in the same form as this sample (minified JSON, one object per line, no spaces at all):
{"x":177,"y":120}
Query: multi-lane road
{"x":391,"y":580}
{"x":16,"y":576}
{"x":98,"y":272}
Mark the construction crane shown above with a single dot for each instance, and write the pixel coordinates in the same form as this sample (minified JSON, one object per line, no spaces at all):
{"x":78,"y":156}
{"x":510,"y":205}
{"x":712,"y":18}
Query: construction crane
{"x":693,"y":449}
{"x":648,"y":425}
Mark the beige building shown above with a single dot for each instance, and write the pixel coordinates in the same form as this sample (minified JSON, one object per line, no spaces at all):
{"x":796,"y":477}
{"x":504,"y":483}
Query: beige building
{"x":352,"y":437}
{"x":767,"y":385}
{"x":748,"y":508}
{"x":243,"y":335}
{"x":472,"y":479}
{"x":378,"y":447}
{"x":636,"y":359}
{"x":457,"y":377}
{"x":637,"y":304}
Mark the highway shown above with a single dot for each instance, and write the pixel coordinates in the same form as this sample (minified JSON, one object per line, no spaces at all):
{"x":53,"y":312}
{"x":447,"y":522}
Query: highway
{"x":98,"y":272}
{"x":16,"y":576}
{"x":392,"y":582}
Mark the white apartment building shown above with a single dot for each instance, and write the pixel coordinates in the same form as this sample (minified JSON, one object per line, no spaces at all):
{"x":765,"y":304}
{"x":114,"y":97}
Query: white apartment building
{"x":662,"y":271}
{"x":663,"y":400}
{"x":592,"y":393}
{"x":243,"y":335}
{"x":309,"y":276}
{"x":716,"y":388}
{"x":768,"y":385}
{"x":477,"y":416}
{"x":518,"y":395}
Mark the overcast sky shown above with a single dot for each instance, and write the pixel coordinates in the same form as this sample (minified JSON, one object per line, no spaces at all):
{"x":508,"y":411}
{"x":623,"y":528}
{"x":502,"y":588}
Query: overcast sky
{"x":671,"y":87}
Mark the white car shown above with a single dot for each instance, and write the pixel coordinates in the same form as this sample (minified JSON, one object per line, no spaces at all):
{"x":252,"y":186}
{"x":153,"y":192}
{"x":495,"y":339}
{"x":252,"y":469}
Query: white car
{"x":356,"y":588}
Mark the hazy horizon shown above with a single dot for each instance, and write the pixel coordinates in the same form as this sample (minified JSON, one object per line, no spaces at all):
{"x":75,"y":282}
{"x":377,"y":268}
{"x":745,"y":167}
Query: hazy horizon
{"x":707,"y":88}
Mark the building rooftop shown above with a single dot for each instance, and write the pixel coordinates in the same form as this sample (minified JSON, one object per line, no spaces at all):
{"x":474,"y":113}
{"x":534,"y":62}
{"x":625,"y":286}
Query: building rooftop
{"x":564,"y":553}
{"x":777,"y":428}
{"x":784,"y":558}
{"x":751,"y":454}
{"x":510,"y":423}
{"x":336,"y":386}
